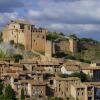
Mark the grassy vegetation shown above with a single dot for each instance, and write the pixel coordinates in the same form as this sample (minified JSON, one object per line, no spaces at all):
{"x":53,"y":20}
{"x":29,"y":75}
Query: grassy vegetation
{"x":84,"y":54}
{"x":91,"y":54}
{"x":4,"y":55}
{"x":76,"y":56}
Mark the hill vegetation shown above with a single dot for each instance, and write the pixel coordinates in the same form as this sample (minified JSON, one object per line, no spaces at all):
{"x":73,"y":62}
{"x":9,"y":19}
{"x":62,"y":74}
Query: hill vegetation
{"x":88,"y":48}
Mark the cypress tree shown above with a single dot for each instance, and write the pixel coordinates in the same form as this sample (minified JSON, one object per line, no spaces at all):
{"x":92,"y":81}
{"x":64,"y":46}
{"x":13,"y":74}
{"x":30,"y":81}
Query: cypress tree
{"x":22,"y":94}
{"x":9,"y":93}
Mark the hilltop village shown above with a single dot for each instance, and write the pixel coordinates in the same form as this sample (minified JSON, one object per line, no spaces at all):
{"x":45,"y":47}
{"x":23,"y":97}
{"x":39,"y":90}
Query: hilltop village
{"x":54,"y":73}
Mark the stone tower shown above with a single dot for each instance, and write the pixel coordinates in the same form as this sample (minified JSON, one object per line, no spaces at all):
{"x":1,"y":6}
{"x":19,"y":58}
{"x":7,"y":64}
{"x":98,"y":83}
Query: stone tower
{"x":72,"y":45}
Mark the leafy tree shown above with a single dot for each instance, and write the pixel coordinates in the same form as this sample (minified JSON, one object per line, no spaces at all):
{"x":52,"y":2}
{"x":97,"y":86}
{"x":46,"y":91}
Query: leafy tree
{"x":54,"y":35}
{"x":81,"y":75}
{"x":9,"y":93}
{"x":62,"y":34}
{"x":73,"y":36}
{"x":22,"y":94}
{"x":88,"y":40}
{"x":18,"y":57}
{"x":2,"y":97}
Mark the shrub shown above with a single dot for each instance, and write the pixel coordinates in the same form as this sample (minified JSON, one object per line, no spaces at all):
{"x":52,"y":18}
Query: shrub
{"x":17,"y":57}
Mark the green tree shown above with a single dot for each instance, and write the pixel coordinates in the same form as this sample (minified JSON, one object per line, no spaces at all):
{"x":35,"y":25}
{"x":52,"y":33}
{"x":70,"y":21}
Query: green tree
{"x":2,"y":97}
{"x":9,"y":93}
{"x":22,"y":94}
{"x":17,"y":57}
{"x":54,"y":36}
{"x":81,"y":75}
{"x":88,"y":40}
{"x":73,"y":36}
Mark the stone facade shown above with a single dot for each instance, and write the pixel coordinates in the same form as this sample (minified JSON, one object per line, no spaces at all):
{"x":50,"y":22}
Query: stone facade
{"x":82,"y":91}
{"x":67,"y":45}
{"x":25,"y":33}
{"x":62,"y":86}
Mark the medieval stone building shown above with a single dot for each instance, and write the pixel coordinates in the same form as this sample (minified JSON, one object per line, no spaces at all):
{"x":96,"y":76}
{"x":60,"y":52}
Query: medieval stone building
{"x":25,"y":33}
{"x":66,"y":45}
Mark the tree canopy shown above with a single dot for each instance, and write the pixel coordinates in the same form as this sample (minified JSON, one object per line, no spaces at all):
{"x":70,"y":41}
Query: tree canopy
{"x":54,"y":35}
{"x":22,"y":94}
{"x":18,"y":57}
{"x":9,"y":93}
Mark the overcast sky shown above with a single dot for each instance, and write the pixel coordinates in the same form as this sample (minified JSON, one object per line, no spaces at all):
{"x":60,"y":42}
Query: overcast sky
{"x":81,"y":17}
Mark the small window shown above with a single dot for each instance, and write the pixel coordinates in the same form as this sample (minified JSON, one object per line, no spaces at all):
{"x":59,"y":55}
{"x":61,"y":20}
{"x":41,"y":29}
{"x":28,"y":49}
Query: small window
{"x":51,"y":82}
{"x":43,"y":37}
{"x":82,"y":93}
{"x":21,"y":26}
{"x":78,"y":93}
{"x":32,"y":68}
{"x":59,"y":89}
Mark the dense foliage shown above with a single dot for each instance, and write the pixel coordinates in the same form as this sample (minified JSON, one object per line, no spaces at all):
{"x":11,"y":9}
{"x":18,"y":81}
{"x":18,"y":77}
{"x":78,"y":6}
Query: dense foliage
{"x":84,"y":77}
{"x":22,"y":94}
{"x":9,"y":93}
{"x":76,"y":56}
{"x":88,"y":40}
{"x":81,"y":75}
{"x":54,"y":36}
{"x":17,"y":57}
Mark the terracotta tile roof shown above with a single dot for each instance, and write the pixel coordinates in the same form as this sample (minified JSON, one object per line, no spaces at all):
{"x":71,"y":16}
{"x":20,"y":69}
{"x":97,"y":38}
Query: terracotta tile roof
{"x":48,"y":63}
{"x":68,"y":78}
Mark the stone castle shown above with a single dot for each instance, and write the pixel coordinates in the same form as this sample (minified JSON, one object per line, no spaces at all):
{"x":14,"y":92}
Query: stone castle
{"x":35,"y":38}
{"x":25,"y":33}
